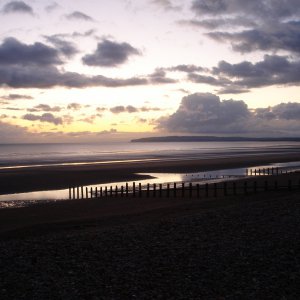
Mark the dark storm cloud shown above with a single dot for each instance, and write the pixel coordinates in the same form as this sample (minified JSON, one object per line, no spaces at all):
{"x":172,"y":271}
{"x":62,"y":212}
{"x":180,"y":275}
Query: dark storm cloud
{"x":46,"y":117}
{"x":44,"y":107}
{"x":17,"y":7}
{"x":283,"y":37}
{"x":78,"y":15}
{"x":67,"y":48}
{"x":206,"y":113}
{"x":110,"y":54}
{"x":16,"y":97}
{"x":13,"y":52}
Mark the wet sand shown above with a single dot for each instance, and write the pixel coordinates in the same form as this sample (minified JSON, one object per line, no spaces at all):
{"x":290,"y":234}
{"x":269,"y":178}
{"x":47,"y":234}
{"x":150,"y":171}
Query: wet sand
{"x":19,"y":180}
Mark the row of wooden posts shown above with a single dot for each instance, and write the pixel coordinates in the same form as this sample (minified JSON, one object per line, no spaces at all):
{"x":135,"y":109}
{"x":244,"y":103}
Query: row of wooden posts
{"x":264,"y":171}
{"x":179,"y":189}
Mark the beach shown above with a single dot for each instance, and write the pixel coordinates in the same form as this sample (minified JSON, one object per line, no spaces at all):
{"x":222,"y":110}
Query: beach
{"x":233,"y":247}
{"x":17,"y":180}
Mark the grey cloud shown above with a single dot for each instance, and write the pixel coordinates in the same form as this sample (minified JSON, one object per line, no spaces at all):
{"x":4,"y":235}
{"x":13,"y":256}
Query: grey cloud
{"x":232,"y":90}
{"x":17,"y":97}
{"x":13,"y":52}
{"x":12,"y":133}
{"x":67,"y":48}
{"x":38,"y":77}
{"x":186,"y":68}
{"x":122,"y":109}
{"x":208,"y":79}
{"x":17,"y":7}
{"x":206,"y":113}
{"x":110,"y":54}
{"x":44,"y":107}
{"x":77,"y":15}
{"x":283,"y":37}
{"x":46,"y":117}
{"x":166,"y":4}
{"x":52,"y":7}
{"x":159,"y":77}
{"x":74,"y":106}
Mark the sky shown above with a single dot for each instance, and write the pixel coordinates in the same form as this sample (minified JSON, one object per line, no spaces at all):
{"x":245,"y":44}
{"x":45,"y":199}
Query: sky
{"x":88,"y":70}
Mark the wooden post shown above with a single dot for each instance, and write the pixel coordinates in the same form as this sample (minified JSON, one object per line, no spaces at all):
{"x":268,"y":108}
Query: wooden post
{"x":86,"y":193}
{"x":106,"y":192}
{"x":140,"y":190}
{"x":148,"y":189}
{"x":234,"y":188}
{"x":154,"y":190}
{"x":168,"y":190}
{"x":91,"y":191}
{"x":215,"y":189}
{"x":70,"y":193}
{"x":116,"y":191}
{"x":259,"y":172}
{"x":190,"y":189}
{"x":254,"y":172}
{"x":111,"y":191}
{"x":206,"y":190}
{"x":101,"y":191}
{"x":81,"y":188}
{"x":126,"y":189}
{"x":182,"y":189}
{"x":175,"y":189}
{"x":133,"y":189}
{"x":122,"y":191}
{"x":77,"y":192}
{"x":160,"y":190}
{"x":96,"y":192}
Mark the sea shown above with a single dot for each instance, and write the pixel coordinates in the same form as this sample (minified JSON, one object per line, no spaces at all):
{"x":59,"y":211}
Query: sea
{"x":31,"y":155}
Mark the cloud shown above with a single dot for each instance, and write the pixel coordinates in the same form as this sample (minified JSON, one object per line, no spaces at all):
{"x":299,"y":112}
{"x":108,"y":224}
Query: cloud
{"x":205,"y":113}
{"x":16,"y":97}
{"x":17,"y":7}
{"x":271,"y":25}
{"x":52,"y":7}
{"x":44,"y":107}
{"x":77,"y":15}
{"x":46,"y":117}
{"x":110,"y":54}
{"x":12,"y":133}
{"x":13,"y":52}
{"x":159,"y":77}
{"x":122,"y":109}
{"x":74,"y":106}
{"x":166,"y":4}
{"x":67,"y":48}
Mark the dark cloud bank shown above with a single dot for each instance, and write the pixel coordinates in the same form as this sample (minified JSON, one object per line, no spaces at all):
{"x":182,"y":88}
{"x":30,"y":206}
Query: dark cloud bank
{"x":205,"y":113}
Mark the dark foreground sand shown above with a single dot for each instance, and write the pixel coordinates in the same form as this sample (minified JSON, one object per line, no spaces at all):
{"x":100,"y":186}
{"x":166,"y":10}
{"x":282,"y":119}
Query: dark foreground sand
{"x":244,"y":247}
{"x":59,"y":177}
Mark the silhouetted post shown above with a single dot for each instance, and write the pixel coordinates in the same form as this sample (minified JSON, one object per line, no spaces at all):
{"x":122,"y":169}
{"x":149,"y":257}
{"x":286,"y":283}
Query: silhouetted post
{"x":168,"y":190}
{"x":182,"y":189}
{"x":198,"y":190}
{"x":70,"y":193}
{"x":225,"y":188}
{"x":175,"y":189}
{"x":96,"y":192}
{"x":190,"y":189}
{"x":86,"y":193}
{"x":126,"y":189}
{"x":82,"y":192}
{"x":255,"y":172}
{"x":215,"y":190}
{"x":272,"y":171}
{"x":140,"y":190}
{"x":206,"y":190}
{"x":154,"y":190}
{"x":91,"y":191}
{"x":101,"y":191}
{"x":122,"y":191}
{"x":148,"y":189}
{"x":251,"y":172}
{"x":116,"y":191}
{"x":259,"y":172}
{"x":111,"y":191}
{"x":234,"y":188}
{"x":290,"y":185}
{"x":77,"y":192}
{"x":266,"y":185}
{"x":245,"y":187}
{"x":133,"y":189}
{"x":277,"y":170}
{"x":160,"y":190}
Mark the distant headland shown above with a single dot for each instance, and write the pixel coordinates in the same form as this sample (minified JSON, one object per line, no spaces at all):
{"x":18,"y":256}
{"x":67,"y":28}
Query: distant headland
{"x":214,"y":139}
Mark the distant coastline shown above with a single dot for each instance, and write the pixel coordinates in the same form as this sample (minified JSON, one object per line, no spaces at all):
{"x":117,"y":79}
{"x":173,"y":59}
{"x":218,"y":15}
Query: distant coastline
{"x":213,"y":139}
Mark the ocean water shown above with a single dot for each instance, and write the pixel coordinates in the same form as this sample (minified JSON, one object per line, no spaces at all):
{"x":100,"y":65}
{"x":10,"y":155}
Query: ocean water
{"x":44,"y":154}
